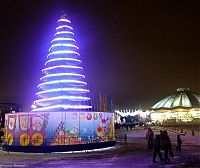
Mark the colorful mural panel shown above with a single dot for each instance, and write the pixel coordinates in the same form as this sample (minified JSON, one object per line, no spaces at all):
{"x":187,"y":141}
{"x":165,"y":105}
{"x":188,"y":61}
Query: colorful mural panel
{"x":58,"y":128}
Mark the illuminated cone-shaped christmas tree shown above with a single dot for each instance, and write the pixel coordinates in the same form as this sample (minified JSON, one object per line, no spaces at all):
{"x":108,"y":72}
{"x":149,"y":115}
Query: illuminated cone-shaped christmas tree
{"x":62,"y":87}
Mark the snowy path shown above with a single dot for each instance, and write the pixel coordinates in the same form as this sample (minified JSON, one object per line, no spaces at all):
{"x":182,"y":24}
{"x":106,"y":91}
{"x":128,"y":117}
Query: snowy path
{"x":134,"y":154}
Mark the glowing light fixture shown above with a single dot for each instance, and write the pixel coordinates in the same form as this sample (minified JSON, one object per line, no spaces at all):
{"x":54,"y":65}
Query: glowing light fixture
{"x":62,"y":87}
{"x":62,"y":106}
{"x":63,"y":39}
{"x":63,"y":59}
{"x":64,"y":26}
{"x":64,"y":32}
{"x":61,"y":66}
{"x":62,"y":74}
{"x":64,"y":20}
{"x":62,"y":45}
{"x":62,"y":81}
{"x":73,"y":98}
{"x":63,"y":52}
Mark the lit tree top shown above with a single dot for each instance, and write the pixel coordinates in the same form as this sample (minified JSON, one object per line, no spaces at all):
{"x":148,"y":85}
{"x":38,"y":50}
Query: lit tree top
{"x":63,"y":85}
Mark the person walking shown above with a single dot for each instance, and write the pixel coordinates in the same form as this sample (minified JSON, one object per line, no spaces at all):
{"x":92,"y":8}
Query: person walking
{"x":125,"y":139}
{"x":149,"y":138}
{"x":179,"y":142}
{"x":161,"y":133}
{"x":156,"y":149}
{"x":166,"y":145}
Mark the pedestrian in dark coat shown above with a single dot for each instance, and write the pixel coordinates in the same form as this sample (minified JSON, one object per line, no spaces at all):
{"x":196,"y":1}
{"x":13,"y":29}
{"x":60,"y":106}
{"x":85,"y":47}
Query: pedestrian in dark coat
{"x":156,"y":149}
{"x":1,"y":135}
{"x":179,"y":142}
{"x":125,"y":139}
{"x":166,"y":145}
{"x":150,"y":138}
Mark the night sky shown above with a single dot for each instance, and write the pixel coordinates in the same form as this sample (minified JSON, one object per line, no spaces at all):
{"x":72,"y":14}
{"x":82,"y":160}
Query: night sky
{"x":137,"y":52}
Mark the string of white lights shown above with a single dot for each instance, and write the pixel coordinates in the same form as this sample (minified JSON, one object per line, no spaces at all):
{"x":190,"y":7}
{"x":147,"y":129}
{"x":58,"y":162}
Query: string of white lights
{"x":63,"y":39}
{"x":63,"y":52}
{"x":61,"y":74}
{"x":62,"y":45}
{"x":64,"y":32}
{"x":64,"y":26}
{"x":63,"y":89}
{"x":64,"y":20}
{"x":62,"y":82}
{"x":62,"y":106}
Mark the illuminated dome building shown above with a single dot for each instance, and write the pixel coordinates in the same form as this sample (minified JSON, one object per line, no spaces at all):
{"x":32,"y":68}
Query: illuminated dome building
{"x":180,"y":106}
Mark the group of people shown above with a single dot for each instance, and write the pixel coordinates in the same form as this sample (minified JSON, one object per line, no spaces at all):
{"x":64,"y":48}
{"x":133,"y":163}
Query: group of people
{"x":129,"y":126}
{"x":161,"y":142}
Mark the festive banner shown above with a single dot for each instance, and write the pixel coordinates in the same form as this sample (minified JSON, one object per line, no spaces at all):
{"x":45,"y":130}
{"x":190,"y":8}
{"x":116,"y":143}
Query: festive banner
{"x":59,"y":128}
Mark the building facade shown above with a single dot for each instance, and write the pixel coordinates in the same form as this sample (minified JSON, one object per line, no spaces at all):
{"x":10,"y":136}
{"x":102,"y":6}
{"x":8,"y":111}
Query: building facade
{"x":181,"y":106}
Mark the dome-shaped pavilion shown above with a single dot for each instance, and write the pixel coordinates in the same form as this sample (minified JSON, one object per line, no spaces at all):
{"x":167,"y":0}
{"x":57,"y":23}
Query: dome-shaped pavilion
{"x":183,"y":105}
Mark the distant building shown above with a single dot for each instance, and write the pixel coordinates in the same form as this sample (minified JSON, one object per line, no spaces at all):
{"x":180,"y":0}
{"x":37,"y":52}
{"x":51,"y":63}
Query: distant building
{"x":8,"y":108}
{"x":182,"y":106}
{"x":142,"y":115}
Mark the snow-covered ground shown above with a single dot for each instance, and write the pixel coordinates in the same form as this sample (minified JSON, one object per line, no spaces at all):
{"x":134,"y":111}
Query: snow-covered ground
{"x":134,"y":154}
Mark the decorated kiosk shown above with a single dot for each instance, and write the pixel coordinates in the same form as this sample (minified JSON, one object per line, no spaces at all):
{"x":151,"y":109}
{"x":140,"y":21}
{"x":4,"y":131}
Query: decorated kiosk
{"x":62,"y":119}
